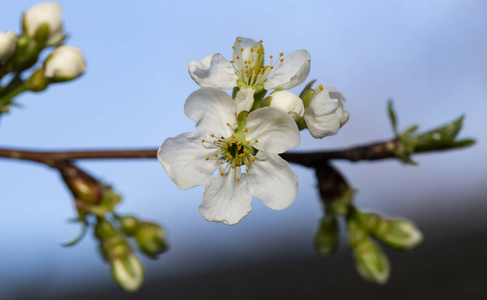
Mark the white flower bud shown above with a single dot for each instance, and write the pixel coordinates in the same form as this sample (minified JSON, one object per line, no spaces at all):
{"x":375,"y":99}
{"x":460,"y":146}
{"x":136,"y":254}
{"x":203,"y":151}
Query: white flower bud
{"x":128,"y":272}
{"x":45,"y":13}
{"x":8,"y":44}
{"x":287,"y":101}
{"x":371,"y":263}
{"x":325,"y":114}
{"x":65,"y":63}
{"x":399,"y":234}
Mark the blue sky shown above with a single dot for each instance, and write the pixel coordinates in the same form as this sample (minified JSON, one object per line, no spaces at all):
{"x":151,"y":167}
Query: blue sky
{"x":427,"y":55}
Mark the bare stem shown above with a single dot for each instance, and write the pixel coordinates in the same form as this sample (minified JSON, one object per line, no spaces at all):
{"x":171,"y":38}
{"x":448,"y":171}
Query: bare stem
{"x":374,"y":151}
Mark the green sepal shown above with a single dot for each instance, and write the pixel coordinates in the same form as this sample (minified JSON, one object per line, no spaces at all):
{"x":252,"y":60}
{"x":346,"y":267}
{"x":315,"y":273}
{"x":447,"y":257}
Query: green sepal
{"x":81,"y":235}
{"x":258,"y":96}
{"x":341,"y":204}
{"x":307,"y":88}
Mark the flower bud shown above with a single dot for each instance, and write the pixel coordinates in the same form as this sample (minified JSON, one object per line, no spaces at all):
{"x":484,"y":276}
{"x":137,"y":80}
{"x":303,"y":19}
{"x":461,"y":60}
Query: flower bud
{"x":128,"y":272}
{"x":83,"y":187}
{"x":104,"y":230}
{"x":43,"y":22}
{"x":65,"y":63}
{"x":371,"y":263}
{"x":8,"y":45}
{"x":151,"y":239}
{"x":327,"y":237}
{"x":325,"y":114}
{"x":287,"y":101}
{"x":129,"y":225}
{"x":37,"y":82}
{"x":399,"y":234}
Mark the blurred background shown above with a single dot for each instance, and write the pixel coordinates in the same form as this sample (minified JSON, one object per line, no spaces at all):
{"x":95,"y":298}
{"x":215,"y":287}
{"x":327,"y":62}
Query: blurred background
{"x":429,"y":56}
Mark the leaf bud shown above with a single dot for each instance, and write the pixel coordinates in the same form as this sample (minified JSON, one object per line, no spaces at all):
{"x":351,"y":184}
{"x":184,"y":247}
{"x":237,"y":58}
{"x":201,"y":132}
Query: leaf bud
{"x":151,"y":239}
{"x":327,"y":237}
{"x":371,"y":262}
{"x":128,"y":273}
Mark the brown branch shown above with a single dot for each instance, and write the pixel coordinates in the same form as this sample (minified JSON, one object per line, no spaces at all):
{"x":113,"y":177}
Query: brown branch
{"x":374,"y":151}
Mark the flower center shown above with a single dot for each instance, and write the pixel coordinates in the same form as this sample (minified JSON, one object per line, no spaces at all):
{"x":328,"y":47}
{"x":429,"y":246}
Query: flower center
{"x":252,"y":71}
{"x":234,"y":153}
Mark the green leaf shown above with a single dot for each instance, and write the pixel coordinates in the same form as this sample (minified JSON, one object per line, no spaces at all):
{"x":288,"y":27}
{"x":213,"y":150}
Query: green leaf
{"x":392,"y":117}
{"x":307,"y":88}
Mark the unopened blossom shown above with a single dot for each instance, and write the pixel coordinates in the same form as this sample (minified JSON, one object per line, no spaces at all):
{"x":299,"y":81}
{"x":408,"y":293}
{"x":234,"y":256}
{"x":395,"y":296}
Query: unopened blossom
{"x":65,"y":63}
{"x":8,"y":44}
{"x":45,"y":13}
{"x":248,"y":69}
{"x":288,"y":102}
{"x":325,"y":113}
{"x":241,"y":151}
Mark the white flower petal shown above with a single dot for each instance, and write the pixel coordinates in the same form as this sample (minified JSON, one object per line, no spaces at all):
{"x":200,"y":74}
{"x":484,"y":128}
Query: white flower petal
{"x":322,"y":104}
{"x":273,"y":181}
{"x":334,"y":93}
{"x":226,"y":200}
{"x":291,"y":72}
{"x":212,"y":109}
{"x":49,"y":13}
{"x":8,"y":44}
{"x":321,"y":126}
{"x":275,"y":130}
{"x":65,"y":63}
{"x":288,"y":102}
{"x":246,"y":54}
{"x":213,"y":71}
{"x":184,"y":159}
{"x":244,"y":99}
{"x":344,"y":118}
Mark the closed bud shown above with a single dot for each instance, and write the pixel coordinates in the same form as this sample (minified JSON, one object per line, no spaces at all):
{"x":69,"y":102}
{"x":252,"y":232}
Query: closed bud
{"x":8,"y":45}
{"x":356,"y":233}
{"x":371,"y":263}
{"x":129,"y":225}
{"x":104,"y":230}
{"x":327,"y":237}
{"x":151,"y":239}
{"x":287,"y":101}
{"x":399,"y":234}
{"x":65,"y":63}
{"x":127,"y":272}
{"x":43,"y":22}
{"x":83,"y":187}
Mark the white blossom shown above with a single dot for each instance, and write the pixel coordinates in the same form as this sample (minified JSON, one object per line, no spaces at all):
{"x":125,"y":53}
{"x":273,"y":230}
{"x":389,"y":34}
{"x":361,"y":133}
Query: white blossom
{"x":45,"y":13}
{"x":325,"y":113}
{"x":244,"y":150}
{"x":247,"y":69}
{"x":65,"y":63}
{"x":287,"y":101}
{"x":8,"y":44}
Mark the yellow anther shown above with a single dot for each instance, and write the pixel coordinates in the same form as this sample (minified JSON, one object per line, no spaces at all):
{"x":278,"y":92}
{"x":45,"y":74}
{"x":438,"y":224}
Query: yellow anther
{"x":233,"y":47}
{"x":216,"y":154}
{"x":203,"y":140}
{"x":282,"y":59}
{"x":233,"y":136}
{"x":320,"y":87}
{"x":281,"y":54}
{"x":212,"y":135}
{"x":252,"y":159}
{"x":233,"y":166}
{"x":256,"y":140}
{"x":221,"y":162}
{"x":247,"y":170}
{"x":226,"y":147}
{"x":237,"y":57}
{"x":222,"y":173}
{"x":245,"y":130}
{"x":228,"y":124}
{"x":248,"y":143}
{"x":239,"y":147}
{"x":271,"y":67}
{"x":239,"y":40}
{"x":238,"y":179}
{"x":251,"y":49}
{"x":214,"y":142}
{"x":231,"y":61}
{"x":230,"y":144}
{"x":270,"y":56}
{"x":253,"y":68}
{"x":261,"y":41}
{"x":241,"y":49}
{"x":229,"y":155}
{"x":247,"y":163}
{"x":208,"y":158}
